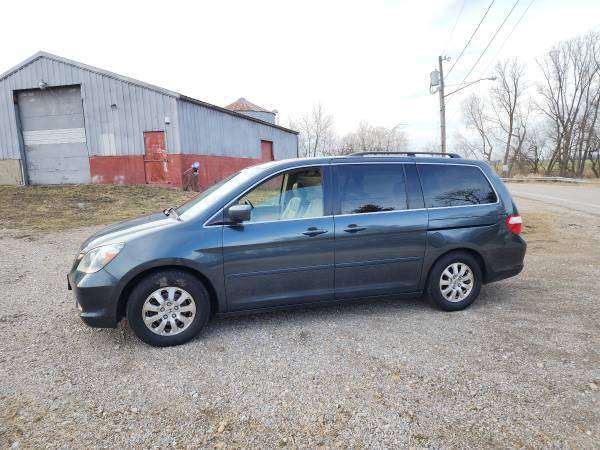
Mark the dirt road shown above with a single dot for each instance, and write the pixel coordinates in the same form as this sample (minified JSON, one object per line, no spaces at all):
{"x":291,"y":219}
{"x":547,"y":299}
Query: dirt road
{"x":578,"y":197}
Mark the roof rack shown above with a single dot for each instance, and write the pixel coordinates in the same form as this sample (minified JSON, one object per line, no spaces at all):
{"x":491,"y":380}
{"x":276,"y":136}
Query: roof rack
{"x":450,"y":155}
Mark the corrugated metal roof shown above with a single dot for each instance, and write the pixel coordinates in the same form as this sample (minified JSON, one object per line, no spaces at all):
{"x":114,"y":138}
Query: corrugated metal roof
{"x":82,"y":66}
{"x":241,"y":104}
{"x":142,"y":84}
{"x":235,"y":113}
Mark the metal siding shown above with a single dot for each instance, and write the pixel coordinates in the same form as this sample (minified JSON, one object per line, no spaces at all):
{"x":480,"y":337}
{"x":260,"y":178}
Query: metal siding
{"x":89,"y":113}
{"x":266,"y":116}
{"x":208,"y":132}
{"x":9,"y":142}
{"x":193,"y":128}
{"x":139,"y":109}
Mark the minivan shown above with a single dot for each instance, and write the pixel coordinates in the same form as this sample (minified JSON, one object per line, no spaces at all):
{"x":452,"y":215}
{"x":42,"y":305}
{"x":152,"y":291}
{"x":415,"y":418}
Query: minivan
{"x":303,"y":232}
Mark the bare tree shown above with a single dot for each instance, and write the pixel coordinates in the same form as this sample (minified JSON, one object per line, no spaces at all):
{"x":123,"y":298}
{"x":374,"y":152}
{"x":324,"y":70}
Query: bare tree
{"x":534,"y":149}
{"x":510,"y":117}
{"x":477,"y":121}
{"x":556,"y":132}
{"x":570,"y":95}
{"x":368,"y":138}
{"x":430,"y":146}
{"x":317,"y":136}
{"x":595,"y":153}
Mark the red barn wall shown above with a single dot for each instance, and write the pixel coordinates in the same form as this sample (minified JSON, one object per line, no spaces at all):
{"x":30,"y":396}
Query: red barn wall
{"x":130,"y":169}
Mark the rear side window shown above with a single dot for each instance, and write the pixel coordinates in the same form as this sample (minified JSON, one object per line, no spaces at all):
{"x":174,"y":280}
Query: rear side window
{"x":454,"y":185}
{"x":365,"y":188}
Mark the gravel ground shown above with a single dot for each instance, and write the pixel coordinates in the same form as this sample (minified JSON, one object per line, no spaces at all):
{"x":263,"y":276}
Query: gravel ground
{"x":521,"y":367}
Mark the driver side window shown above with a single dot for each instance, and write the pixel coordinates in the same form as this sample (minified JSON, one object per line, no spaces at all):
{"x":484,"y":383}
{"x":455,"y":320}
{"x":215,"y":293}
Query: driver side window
{"x":297,"y":194}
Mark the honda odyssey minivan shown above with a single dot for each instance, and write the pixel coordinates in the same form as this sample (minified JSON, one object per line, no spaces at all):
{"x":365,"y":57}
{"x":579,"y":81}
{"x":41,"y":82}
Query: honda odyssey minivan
{"x":304,"y":232}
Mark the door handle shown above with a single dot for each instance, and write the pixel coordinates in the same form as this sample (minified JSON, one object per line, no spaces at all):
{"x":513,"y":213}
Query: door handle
{"x":313,"y":231}
{"x":353,"y":228}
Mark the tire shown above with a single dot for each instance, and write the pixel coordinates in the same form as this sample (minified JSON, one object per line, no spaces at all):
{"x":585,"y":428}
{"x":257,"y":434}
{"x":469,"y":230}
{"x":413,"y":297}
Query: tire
{"x":176,"y":295}
{"x":461,"y":292}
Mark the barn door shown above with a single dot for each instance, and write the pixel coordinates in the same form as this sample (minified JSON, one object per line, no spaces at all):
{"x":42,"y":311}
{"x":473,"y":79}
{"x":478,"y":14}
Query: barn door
{"x":156,"y":163}
{"x":53,"y":131}
{"x":266,"y":151}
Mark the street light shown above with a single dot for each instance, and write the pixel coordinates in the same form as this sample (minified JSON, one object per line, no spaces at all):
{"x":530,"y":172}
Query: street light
{"x":437,"y":79}
{"x":470,"y":84}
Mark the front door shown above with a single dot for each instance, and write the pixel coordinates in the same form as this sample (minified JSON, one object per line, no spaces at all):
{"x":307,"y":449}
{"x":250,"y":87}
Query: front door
{"x":284,"y":254}
{"x":156,"y":163}
{"x":379,"y":242}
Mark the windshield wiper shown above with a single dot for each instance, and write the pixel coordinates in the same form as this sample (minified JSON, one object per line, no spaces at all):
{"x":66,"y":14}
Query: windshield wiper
{"x":167,"y":212}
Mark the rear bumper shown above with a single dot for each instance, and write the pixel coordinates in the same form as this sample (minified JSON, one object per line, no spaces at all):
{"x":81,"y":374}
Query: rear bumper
{"x":501,"y":275}
{"x":95,"y":297}
{"x":508,"y":261}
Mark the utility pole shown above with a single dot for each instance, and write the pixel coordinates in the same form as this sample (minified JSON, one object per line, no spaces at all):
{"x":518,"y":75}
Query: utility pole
{"x":437,"y":80}
{"x":442,"y":105}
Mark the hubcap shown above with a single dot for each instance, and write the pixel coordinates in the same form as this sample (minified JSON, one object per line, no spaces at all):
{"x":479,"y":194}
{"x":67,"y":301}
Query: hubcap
{"x":456,"y":282}
{"x":168,"y":311}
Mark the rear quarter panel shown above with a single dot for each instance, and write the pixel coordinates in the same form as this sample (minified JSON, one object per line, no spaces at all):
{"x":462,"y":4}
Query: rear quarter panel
{"x":479,"y":228}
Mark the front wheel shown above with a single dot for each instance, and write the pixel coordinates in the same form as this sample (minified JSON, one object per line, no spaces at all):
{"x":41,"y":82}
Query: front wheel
{"x":168,"y":308}
{"x":454,"y":281}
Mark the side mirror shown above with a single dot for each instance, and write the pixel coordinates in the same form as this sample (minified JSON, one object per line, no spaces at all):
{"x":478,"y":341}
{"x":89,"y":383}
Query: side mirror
{"x":239,"y":213}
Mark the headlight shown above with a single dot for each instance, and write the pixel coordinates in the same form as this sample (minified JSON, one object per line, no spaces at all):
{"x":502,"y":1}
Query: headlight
{"x":98,"y":257}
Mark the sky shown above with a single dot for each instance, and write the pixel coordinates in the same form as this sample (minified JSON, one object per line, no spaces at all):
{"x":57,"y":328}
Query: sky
{"x":362,"y":60}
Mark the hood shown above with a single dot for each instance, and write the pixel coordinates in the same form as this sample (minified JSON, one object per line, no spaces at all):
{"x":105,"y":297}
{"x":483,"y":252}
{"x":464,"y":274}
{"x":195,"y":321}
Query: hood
{"x":127,"y":230}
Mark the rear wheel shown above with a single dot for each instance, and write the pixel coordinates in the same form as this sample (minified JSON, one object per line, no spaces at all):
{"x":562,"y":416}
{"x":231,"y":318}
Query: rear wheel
{"x":168,"y":308}
{"x":454,"y":281}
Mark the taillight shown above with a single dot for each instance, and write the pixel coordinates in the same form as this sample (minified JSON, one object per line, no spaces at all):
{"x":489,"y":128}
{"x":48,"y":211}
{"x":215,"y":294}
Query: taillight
{"x":514,"y":223}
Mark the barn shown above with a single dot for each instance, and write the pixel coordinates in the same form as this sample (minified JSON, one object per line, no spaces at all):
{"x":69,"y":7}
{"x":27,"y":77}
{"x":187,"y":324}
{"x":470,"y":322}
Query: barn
{"x":64,"y":122}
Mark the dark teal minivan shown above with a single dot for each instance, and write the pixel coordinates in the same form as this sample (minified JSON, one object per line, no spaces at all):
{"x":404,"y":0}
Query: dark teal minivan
{"x":304,"y":232}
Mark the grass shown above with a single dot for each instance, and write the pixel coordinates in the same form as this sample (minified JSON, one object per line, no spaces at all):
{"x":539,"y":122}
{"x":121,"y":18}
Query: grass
{"x":55,"y":208}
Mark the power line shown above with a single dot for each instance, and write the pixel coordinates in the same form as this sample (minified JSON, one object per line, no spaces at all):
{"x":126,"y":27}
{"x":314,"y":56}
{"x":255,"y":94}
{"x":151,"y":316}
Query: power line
{"x":454,"y":27}
{"x":471,"y":38}
{"x":491,"y":40}
{"x":508,"y":36}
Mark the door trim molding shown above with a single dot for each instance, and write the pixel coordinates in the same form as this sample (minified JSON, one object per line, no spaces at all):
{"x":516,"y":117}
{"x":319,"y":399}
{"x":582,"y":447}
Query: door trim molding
{"x":373,"y":262}
{"x":276,"y":271}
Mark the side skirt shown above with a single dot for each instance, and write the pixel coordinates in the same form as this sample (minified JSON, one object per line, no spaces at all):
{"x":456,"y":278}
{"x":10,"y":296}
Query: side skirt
{"x":242,"y":312}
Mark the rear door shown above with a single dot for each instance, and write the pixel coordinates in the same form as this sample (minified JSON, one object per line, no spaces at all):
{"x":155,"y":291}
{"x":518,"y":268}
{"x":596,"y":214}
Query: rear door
{"x":156,"y":161}
{"x":380,"y":229}
{"x":284,"y":254}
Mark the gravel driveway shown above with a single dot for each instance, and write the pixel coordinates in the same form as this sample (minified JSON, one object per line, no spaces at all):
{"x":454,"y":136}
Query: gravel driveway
{"x":521,"y":367}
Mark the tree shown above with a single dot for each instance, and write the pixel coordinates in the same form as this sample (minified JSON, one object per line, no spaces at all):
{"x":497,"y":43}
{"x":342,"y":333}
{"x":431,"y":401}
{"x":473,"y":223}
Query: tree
{"x":477,"y":121}
{"x":510,"y":117}
{"x":317,"y":136}
{"x":368,"y":138}
{"x":570,"y":95}
{"x":499,"y":122}
{"x":534,"y":150}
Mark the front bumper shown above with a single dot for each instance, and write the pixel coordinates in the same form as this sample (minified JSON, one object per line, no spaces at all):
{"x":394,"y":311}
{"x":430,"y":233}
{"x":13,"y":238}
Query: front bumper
{"x":96,"y":297}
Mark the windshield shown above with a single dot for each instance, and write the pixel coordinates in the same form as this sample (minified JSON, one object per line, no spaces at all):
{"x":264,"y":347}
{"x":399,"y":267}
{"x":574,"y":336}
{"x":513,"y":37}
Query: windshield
{"x":215,"y":192}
